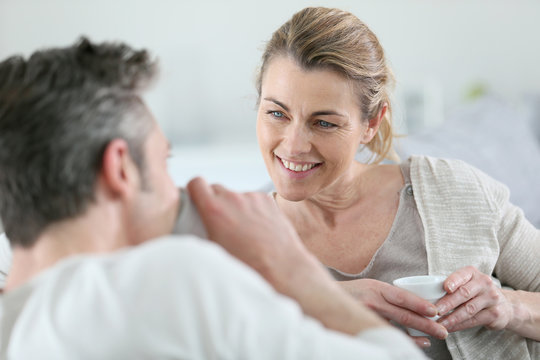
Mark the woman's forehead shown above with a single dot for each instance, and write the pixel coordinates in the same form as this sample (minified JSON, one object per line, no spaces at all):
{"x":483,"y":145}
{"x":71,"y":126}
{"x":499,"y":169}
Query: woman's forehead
{"x":285,"y":80}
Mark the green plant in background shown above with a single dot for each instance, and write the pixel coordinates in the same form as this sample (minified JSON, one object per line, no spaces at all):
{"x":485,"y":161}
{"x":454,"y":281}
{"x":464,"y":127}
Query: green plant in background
{"x":475,"y":91}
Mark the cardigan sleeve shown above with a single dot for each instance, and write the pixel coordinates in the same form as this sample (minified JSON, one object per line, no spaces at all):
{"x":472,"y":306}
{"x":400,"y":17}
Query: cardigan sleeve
{"x":518,"y":265}
{"x":469,"y":220}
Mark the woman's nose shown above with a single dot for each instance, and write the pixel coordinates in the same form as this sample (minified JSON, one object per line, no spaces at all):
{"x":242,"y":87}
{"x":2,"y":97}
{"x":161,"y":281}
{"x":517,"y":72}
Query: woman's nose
{"x":296,"y":140}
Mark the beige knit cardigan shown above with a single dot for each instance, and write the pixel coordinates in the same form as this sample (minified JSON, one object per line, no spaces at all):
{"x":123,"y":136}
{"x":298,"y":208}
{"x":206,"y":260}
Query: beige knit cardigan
{"x":468,"y":220}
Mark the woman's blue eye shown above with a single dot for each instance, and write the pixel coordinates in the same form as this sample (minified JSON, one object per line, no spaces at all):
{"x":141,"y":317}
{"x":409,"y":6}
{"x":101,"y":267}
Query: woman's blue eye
{"x":277,"y":114}
{"x":325,"y":124}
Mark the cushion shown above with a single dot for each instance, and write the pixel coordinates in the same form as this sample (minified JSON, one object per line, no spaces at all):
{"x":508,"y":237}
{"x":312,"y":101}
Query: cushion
{"x":495,"y":137}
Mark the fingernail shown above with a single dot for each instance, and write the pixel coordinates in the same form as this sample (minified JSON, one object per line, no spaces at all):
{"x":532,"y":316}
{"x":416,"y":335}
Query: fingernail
{"x":441,"y":309}
{"x":432,"y":311}
{"x":443,"y":334}
{"x":451,"y":286}
{"x":426,"y":343}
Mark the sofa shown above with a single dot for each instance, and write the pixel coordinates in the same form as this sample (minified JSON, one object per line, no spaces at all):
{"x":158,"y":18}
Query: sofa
{"x":498,"y":137}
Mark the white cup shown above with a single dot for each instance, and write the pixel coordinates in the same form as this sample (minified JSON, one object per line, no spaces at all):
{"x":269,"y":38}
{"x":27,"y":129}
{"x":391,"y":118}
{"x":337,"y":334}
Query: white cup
{"x":429,"y":287}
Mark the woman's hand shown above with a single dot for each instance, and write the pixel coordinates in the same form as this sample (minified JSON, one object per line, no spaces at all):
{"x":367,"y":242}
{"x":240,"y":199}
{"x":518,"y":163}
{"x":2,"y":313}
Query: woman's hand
{"x":398,"y":305}
{"x":475,"y":301}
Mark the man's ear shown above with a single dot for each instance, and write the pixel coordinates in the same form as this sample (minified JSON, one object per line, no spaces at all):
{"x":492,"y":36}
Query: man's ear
{"x":373,"y":125}
{"x":118,"y":171}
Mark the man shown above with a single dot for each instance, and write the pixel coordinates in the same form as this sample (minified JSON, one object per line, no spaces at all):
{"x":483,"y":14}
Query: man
{"x":84,"y":185}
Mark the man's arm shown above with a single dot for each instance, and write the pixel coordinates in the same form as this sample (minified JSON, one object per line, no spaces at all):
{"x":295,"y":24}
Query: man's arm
{"x":211,"y":305}
{"x":251,"y":227}
{"x":189,"y":222}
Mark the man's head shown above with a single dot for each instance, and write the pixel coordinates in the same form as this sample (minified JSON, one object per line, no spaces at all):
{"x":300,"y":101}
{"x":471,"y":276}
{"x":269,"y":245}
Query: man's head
{"x":63,"y":113}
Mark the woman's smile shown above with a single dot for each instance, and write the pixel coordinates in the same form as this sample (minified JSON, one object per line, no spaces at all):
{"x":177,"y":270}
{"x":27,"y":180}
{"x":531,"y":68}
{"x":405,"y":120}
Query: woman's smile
{"x":297,"y":169}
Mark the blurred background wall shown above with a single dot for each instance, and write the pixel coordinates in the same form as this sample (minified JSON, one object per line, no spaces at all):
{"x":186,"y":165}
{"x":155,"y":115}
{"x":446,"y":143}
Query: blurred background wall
{"x":442,"y":52}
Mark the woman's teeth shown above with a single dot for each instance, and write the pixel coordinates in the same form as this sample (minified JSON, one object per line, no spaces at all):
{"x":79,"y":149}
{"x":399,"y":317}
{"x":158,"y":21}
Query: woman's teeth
{"x":296,"y":167}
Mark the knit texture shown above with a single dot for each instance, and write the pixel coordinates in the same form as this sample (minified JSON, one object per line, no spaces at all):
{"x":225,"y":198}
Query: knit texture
{"x":468,"y":220}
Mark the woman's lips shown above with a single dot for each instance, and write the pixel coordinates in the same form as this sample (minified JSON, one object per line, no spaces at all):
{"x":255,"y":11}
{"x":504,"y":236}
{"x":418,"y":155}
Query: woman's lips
{"x":298,"y":169}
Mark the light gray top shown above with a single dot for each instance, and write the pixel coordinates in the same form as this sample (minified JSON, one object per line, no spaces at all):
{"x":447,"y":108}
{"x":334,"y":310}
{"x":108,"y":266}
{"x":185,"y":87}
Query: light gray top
{"x":403,"y":253}
{"x":188,"y":220}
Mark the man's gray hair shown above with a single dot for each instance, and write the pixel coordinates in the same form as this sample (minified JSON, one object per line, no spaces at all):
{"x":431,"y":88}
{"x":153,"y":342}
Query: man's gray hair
{"x":59,"y":109}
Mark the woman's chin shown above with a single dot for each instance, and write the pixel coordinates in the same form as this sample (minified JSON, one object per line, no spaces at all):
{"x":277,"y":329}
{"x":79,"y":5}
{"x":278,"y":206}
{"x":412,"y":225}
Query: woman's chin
{"x":289,"y":195}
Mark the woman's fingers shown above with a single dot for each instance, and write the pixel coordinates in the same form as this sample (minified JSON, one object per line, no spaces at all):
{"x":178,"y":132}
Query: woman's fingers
{"x":474,"y":301}
{"x":398,"y":305}
{"x":465,"y":312}
{"x":470,"y":284}
{"x":410,"y":319}
{"x":494,"y":318}
{"x":421,"y":341}
{"x":458,"y":279}
{"x":406,"y":299}
{"x":410,"y":311}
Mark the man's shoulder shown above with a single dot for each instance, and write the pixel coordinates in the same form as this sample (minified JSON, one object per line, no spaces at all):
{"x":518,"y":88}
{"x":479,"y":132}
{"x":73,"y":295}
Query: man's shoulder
{"x":161,"y":273}
{"x":150,"y":262}
{"x":171,"y":246}
{"x":181,"y":255}
{"x":169,"y":264}
{"x":156,"y":286}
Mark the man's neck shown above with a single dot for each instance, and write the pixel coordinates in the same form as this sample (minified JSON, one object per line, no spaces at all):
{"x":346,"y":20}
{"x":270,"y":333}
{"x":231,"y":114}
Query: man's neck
{"x":97,"y":231}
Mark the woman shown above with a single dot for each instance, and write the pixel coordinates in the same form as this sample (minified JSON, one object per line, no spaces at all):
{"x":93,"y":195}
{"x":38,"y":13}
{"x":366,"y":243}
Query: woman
{"x":323,"y":93}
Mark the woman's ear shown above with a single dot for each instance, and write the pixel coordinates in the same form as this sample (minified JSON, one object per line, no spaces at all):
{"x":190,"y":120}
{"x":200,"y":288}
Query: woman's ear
{"x":373,"y":124}
{"x":119,"y":173}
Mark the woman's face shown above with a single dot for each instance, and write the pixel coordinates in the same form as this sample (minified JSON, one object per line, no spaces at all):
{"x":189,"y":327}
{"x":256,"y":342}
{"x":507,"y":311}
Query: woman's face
{"x":309,"y":127}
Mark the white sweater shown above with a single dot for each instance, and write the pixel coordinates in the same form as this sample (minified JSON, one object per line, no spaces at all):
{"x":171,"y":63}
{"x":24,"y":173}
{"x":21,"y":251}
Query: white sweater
{"x":174,"y":298}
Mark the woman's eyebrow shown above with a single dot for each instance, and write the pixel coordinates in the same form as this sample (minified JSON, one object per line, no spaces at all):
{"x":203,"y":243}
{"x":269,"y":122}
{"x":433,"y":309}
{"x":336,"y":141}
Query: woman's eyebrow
{"x":277,"y":103}
{"x":316,"y":113}
{"x":327,"y":112}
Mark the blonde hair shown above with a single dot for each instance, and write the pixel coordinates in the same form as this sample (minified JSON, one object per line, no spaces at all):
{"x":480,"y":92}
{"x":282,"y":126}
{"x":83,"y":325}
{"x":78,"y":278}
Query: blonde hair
{"x":318,"y":37}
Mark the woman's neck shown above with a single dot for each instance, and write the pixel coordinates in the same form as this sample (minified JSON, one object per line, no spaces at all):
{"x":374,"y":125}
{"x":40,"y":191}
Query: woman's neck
{"x":327,"y":204}
{"x":364,"y":183}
